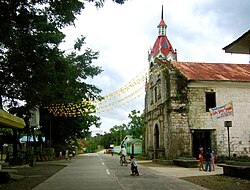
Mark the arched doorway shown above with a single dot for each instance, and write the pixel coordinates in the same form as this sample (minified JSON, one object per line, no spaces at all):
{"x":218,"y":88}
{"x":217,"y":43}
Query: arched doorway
{"x":156,"y":137}
{"x":156,"y":141}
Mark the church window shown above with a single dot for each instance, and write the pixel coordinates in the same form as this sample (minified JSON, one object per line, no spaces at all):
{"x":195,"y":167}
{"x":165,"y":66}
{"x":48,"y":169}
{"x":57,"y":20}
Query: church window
{"x":210,"y":100}
{"x":156,"y":94}
{"x":151,"y":93}
{"x":159,"y":89}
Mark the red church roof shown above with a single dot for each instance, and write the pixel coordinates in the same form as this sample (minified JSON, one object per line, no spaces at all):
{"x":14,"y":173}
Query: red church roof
{"x":162,"y":44}
{"x":214,"y":71}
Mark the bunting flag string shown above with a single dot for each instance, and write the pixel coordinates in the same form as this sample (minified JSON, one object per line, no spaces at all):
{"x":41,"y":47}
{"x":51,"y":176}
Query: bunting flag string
{"x":119,"y":102}
{"x":136,"y":80}
{"x":121,"y":97}
{"x":71,"y":109}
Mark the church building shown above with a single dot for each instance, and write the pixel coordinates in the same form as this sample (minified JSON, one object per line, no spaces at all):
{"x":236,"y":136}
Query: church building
{"x":193,"y":104}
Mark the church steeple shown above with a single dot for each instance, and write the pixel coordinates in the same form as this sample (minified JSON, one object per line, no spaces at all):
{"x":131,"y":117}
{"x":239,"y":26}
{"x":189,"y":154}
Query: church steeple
{"x":162,"y":26}
{"x":162,"y":47}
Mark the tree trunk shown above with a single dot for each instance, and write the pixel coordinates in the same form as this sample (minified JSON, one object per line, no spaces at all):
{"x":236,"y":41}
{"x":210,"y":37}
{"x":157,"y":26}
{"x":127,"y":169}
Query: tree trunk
{"x":15,"y":142}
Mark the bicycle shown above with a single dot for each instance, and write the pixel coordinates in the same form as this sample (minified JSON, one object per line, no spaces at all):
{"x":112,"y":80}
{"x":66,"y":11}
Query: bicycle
{"x":123,"y":161}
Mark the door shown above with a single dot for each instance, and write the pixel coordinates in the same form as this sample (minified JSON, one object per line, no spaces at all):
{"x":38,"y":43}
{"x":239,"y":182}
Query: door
{"x":201,"y":138}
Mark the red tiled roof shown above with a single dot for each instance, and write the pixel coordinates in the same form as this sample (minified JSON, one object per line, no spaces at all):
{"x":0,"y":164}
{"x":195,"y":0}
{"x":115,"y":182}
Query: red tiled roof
{"x":214,"y":71}
{"x":162,"y":44}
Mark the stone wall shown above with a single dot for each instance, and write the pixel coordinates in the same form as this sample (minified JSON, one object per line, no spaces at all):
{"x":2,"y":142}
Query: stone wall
{"x":200,"y":119}
{"x":169,"y":113}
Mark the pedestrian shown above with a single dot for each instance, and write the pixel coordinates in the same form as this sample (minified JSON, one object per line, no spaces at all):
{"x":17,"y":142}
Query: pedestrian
{"x":134,"y":168}
{"x":112,"y":151}
{"x":66,"y":154}
{"x":60,"y":155}
{"x":208,"y":160}
{"x":201,"y":161}
{"x":212,"y":160}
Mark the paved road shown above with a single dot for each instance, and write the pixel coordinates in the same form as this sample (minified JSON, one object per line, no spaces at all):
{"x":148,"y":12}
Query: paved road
{"x":101,"y":171}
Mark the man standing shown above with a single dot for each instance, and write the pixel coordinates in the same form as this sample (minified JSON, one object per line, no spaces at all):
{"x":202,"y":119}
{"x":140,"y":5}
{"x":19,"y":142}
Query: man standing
{"x":208,"y":160}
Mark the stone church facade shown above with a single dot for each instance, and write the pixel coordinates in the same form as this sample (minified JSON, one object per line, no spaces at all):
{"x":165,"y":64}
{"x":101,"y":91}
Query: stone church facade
{"x":177,"y":102}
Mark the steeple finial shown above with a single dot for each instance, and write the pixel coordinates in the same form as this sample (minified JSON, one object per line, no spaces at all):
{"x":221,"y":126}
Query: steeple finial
{"x":162,"y":12}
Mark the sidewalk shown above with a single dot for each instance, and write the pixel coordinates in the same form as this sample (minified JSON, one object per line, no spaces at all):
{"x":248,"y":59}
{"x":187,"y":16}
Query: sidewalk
{"x":180,"y":172}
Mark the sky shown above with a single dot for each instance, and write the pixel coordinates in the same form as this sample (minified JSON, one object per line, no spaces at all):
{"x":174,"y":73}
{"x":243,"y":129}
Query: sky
{"x":124,"y":34}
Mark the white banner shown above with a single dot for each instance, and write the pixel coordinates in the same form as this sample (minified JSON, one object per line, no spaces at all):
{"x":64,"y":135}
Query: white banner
{"x":222,"y":111}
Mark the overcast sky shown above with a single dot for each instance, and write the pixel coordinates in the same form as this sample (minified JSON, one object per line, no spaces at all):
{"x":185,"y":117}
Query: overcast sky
{"x":123,"y":34}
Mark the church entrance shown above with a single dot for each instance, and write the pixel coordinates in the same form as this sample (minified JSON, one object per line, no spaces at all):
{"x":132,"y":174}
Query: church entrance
{"x":156,"y":137}
{"x":156,"y":141}
{"x":200,"y":138}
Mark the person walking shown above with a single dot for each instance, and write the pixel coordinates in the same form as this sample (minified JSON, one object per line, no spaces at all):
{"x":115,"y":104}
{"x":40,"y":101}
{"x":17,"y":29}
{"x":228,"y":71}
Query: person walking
{"x":208,"y":160}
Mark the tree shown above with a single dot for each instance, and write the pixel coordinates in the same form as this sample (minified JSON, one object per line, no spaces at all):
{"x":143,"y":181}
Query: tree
{"x":135,"y":126}
{"x":118,"y":132}
{"x":32,"y":67}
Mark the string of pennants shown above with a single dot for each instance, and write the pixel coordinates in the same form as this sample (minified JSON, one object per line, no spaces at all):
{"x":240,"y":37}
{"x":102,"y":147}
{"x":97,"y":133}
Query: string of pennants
{"x":121,"y":97}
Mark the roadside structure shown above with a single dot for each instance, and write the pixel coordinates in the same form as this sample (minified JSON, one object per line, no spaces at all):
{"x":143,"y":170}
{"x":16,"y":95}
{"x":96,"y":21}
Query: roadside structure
{"x":8,"y":120}
{"x":188,"y":104}
{"x":133,"y":146}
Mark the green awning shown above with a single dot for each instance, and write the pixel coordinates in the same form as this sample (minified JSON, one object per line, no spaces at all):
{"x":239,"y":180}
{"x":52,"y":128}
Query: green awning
{"x":9,"y":120}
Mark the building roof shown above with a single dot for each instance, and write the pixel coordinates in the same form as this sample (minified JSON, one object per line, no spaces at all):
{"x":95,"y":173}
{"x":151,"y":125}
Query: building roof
{"x":163,"y":45}
{"x":241,"y":45}
{"x":9,"y":120}
{"x":214,"y":71}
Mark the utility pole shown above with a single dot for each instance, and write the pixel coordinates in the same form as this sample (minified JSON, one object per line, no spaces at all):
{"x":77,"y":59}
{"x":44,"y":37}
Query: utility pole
{"x":228,"y":124}
{"x":120,"y":134}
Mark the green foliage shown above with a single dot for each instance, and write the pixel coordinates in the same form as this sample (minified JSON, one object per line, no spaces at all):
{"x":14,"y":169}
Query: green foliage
{"x":118,"y":132}
{"x":34,"y":69}
{"x":135,"y":126}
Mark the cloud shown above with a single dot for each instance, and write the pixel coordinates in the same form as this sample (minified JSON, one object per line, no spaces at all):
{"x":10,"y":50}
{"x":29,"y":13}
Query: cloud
{"x":123,"y":34}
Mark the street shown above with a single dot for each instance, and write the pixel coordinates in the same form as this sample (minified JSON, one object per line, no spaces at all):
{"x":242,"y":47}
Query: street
{"x":102,"y":171}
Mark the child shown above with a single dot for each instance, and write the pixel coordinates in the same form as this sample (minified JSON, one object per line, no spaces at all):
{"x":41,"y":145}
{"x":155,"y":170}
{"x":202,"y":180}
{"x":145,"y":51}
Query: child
{"x":201,"y":160}
{"x":134,"y":169}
